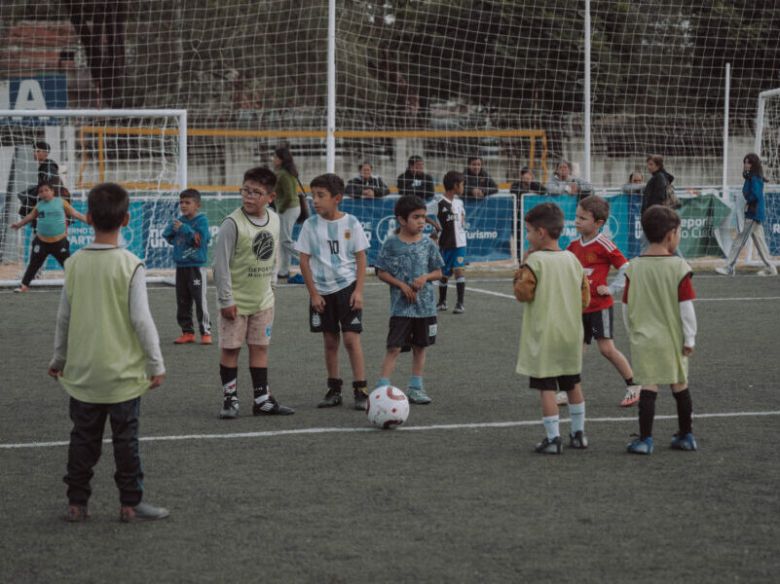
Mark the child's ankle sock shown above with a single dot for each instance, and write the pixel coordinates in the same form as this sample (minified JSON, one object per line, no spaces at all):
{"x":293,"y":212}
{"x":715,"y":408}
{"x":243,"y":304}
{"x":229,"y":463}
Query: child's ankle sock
{"x":360,"y":386}
{"x":382,"y":381}
{"x":577,"y":415}
{"x":259,"y":381}
{"x":684,"y":411}
{"x":229,"y":377}
{"x":646,"y":413}
{"x":630,"y":381}
{"x":334,"y":384}
{"x":416,"y":382}
{"x":442,"y":291}
{"x":460,"y":286}
{"x":552,"y":426}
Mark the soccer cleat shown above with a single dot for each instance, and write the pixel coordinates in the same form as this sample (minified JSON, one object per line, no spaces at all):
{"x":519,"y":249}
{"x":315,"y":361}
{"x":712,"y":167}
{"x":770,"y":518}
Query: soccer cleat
{"x":229,"y":408}
{"x":768,"y":272}
{"x":639,"y":446}
{"x":331,"y":399}
{"x":266,"y":405}
{"x":361,"y":400}
{"x":206,"y":340}
{"x":21,"y":289}
{"x":184,"y":339}
{"x":459,"y":309}
{"x":725,"y":271}
{"x":76,"y":513}
{"x":142,"y":512}
{"x":562,"y":398}
{"x":296,"y":279}
{"x":632,"y":396}
{"x":417,"y":395}
{"x":547,"y":446}
{"x":684,"y":442}
{"x":578,"y":440}
{"x":441,"y":306}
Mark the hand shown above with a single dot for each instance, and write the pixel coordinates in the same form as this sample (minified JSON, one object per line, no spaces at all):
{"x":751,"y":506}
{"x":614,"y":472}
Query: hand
{"x":156,"y":381}
{"x":17,"y":225}
{"x":318,"y":303}
{"x":176,"y":224}
{"x":687,"y":351}
{"x":196,"y":240}
{"x":602,"y":290}
{"x":419,"y":282}
{"x":368,"y":193}
{"x":229,"y":312}
{"x":54,"y":372}
{"x":574,"y":188}
{"x":411,"y":295}
{"x":356,"y":300}
{"x":477,"y":193}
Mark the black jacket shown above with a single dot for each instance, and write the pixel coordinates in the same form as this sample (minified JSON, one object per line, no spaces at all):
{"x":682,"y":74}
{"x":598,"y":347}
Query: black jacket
{"x":655,"y":190}
{"x":478,"y":181}
{"x":356,"y":185}
{"x":420,"y":185}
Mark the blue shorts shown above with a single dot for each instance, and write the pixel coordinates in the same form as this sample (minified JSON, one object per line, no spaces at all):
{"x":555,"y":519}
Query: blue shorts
{"x":454,"y":258}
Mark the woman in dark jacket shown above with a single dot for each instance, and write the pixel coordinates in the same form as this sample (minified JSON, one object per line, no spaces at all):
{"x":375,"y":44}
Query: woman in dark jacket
{"x":655,"y":190}
{"x":478,"y":183}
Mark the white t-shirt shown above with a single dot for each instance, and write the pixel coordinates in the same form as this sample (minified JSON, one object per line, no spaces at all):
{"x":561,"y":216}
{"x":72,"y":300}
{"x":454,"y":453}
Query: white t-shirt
{"x":452,"y":219}
{"x":332,"y":246}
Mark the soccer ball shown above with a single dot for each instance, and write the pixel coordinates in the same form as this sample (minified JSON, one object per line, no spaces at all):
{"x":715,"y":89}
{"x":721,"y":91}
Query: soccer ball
{"x":387,"y":407}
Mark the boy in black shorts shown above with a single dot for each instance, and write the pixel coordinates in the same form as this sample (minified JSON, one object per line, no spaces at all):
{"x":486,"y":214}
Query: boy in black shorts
{"x":333,"y":248}
{"x":409,"y":262}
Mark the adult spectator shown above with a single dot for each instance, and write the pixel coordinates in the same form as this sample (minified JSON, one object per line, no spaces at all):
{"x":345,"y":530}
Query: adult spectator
{"x":478,"y":183}
{"x":415,"y":182}
{"x":366,"y":185}
{"x":655,"y":190}
{"x":635,"y":184}
{"x":48,"y":172}
{"x":564,"y":183}
{"x":288,"y":207}
{"x":526,"y":184}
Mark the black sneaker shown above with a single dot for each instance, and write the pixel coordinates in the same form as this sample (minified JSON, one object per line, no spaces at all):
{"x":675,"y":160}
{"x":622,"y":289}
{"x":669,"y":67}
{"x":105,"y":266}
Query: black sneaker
{"x":578,"y":440}
{"x":331,"y":399}
{"x":548,"y":446}
{"x":441,"y":306}
{"x":229,"y":408}
{"x":266,"y":405}
{"x":361,"y":400}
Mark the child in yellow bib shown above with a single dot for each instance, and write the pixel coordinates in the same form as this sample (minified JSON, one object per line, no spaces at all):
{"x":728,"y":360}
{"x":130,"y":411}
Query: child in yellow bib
{"x":554,"y":287}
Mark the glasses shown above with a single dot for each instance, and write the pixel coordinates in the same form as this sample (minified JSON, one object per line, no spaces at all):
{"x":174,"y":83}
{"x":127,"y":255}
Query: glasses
{"x":252,"y":194}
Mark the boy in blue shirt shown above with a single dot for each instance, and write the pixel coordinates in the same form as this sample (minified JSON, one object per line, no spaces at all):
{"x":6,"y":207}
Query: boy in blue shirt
{"x":409,"y":262}
{"x":189,"y":235}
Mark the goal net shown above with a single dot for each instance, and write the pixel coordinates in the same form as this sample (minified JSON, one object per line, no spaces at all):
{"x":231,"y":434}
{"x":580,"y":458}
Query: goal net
{"x":145,"y":151}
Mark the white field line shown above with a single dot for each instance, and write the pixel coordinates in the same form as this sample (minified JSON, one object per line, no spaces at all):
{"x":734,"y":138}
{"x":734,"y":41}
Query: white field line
{"x":307,"y":431}
{"x":511,"y":297}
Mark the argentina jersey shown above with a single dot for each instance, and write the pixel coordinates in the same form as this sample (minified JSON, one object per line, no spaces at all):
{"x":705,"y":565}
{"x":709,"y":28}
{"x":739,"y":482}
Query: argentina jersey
{"x":332,"y":246}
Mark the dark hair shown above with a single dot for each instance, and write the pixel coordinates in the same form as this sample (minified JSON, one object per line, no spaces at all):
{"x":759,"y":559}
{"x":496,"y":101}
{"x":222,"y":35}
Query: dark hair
{"x":563,"y":161}
{"x":471,"y":159}
{"x":283,"y":153}
{"x":42,"y":146}
{"x":330,"y":182}
{"x":524,"y":170}
{"x":54,"y":183}
{"x":412,"y":160}
{"x":547,"y":216}
{"x":597,"y":206}
{"x":657,"y":159}
{"x":407,"y":205}
{"x":657,"y":221}
{"x":261,"y":175}
{"x":756,"y":168}
{"x":451,"y":179}
{"x":362,"y":164}
{"x":193,"y":194}
{"x":633,"y":172}
{"x":107,"y":204}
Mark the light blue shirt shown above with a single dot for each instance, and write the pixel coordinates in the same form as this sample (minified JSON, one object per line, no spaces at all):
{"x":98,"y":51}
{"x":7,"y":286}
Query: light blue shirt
{"x":406,"y":262}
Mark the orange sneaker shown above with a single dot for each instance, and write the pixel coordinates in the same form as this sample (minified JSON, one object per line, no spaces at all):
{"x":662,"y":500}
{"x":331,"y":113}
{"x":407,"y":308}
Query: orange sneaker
{"x":205,"y":340}
{"x":184,"y":339}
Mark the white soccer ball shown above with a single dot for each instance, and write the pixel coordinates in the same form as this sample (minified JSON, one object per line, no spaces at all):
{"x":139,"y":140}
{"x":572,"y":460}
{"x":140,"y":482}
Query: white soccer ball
{"x":387,"y":407}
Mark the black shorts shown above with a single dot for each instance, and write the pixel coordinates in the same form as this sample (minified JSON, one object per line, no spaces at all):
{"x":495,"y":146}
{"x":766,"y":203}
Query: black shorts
{"x":560,"y":383}
{"x":407,"y":332}
{"x":598,"y":325}
{"x":338,"y":316}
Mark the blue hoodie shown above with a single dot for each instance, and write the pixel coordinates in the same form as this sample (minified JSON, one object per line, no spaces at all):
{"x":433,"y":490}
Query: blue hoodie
{"x":753,"y":191}
{"x":190,"y":242}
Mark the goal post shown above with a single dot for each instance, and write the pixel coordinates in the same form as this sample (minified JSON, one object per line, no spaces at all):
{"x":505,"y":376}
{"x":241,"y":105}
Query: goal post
{"x":144,"y":150}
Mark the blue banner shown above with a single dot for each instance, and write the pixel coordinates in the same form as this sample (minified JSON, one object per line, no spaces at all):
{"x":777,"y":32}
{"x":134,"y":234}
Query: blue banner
{"x":772,"y":223}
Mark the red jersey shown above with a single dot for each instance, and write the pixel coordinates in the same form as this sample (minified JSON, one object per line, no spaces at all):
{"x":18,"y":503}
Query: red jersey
{"x":596,"y":257}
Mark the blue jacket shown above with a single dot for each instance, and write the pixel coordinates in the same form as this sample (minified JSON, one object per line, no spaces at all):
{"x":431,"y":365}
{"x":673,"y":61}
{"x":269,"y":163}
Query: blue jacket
{"x":190,"y":242}
{"x":753,"y":191}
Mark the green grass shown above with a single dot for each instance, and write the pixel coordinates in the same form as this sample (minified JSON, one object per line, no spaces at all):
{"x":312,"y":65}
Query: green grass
{"x":435,"y":505}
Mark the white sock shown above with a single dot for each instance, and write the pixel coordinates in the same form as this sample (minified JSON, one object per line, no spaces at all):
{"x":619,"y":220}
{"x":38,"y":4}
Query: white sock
{"x":577,"y":413}
{"x":551,"y":426}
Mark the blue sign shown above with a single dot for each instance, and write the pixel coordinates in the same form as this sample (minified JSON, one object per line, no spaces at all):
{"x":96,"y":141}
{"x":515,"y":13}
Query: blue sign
{"x":34,"y":93}
{"x":772,"y":223}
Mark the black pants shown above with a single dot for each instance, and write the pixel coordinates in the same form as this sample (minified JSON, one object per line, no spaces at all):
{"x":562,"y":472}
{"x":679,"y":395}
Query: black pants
{"x":191,"y":287}
{"x":86,"y":439}
{"x":40,"y":250}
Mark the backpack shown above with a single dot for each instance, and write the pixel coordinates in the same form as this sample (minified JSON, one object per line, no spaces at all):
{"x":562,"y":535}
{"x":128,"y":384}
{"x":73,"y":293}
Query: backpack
{"x":671,"y":199}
